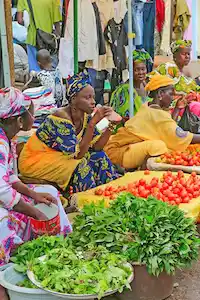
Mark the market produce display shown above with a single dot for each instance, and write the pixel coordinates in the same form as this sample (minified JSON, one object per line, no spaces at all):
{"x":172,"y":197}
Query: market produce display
{"x":26,"y":283}
{"x":148,"y":232}
{"x":172,"y":188}
{"x":34,"y":249}
{"x":189,"y":157}
{"x":93,"y":272}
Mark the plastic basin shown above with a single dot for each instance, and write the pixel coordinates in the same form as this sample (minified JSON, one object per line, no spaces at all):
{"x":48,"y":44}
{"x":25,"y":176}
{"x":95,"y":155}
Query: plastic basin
{"x":9,"y":278}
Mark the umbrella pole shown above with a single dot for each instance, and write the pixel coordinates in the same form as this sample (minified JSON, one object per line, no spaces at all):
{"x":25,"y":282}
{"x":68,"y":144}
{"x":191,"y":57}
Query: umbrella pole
{"x":75,"y":36}
{"x":131,"y":36}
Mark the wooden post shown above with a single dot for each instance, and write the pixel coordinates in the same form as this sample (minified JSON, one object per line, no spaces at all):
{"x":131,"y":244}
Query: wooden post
{"x":8,"y":18}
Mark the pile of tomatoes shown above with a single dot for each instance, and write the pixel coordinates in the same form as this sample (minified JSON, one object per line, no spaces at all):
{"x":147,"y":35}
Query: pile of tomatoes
{"x":172,"y":188}
{"x":186,"y":158}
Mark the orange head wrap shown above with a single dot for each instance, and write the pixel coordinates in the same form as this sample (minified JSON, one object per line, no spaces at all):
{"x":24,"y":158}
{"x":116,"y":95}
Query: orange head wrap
{"x":157,"y":82}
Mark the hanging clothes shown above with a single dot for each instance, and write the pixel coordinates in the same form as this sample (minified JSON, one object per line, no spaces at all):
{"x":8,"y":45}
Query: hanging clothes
{"x":149,"y":14}
{"x":181,"y":20}
{"x":160,"y":20}
{"x":117,"y":37}
{"x":100,"y":35}
{"x":160,"y":15}
{"x":106,"y":11}
{"x":87,"y":30}
{"x":120,"y":8}
{"x":188,"y":32}
{"x":137,"y":8}
{"x":166,"y":34}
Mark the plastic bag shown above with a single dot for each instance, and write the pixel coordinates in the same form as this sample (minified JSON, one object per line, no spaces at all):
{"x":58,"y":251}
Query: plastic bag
{"x":189,"y":121}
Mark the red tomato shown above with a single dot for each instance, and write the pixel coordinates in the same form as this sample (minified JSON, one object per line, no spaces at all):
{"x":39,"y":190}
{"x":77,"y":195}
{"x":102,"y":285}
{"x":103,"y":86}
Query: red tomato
{"x":146,"y":172}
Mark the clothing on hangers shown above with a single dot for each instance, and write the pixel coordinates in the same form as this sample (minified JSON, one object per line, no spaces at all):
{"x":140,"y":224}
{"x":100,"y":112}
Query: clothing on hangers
{"x":181,"y":20}
{"x":149,"y":14}
{"x":137,"y":22}
{"x":166,"y":34}
{"x":100,"y":35}
{"x":104,"y":62}
{"x":87,"y":30}
{"x":160,"y":15}
{"x":117,"y":37}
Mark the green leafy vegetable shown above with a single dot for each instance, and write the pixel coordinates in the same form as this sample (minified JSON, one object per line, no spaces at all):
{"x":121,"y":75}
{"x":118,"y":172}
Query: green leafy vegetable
{"x":92,"y":272}
{"x":26,"y":283}
{"x":149,"y":232}
{"x":33,"y":249}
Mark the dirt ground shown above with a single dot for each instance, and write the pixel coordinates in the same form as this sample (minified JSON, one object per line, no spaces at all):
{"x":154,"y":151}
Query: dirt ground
{"x":188,"y":284}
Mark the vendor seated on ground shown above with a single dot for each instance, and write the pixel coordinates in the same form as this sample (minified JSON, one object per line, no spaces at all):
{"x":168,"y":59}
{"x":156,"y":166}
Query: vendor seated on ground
{"x":16,"y":199}
{"x":67,"y":148}
{"x":152,"y":132}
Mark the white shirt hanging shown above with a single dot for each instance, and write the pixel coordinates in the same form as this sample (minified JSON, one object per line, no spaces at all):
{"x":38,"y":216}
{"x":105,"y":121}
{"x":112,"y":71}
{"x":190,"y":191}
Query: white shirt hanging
{"x":87,"y":31}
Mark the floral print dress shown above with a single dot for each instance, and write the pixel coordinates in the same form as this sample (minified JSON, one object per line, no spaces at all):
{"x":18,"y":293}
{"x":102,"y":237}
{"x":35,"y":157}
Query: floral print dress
{"x":15,"y":227}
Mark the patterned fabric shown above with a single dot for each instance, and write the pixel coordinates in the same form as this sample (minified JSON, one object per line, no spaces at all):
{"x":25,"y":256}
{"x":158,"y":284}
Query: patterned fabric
{"x":76,"y":83}
{"x":51,"y":155}
{"x":120,"y":97}
{"x":12,"y":103}
{"x":182,"y":83}
{"x":94,"y":169}
{"x":175,"y":46}
{"x":120,"y":100}
{"x":60,"y":135}
{"x":143,"y":56}
{"x":52,"y":79}
{"x":157,"y":82}
{"x":15,"y":227}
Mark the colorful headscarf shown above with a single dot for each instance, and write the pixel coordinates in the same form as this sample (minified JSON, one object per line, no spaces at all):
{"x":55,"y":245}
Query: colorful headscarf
{"x":158,"y":81}
{"x":175,"y":46}
{"x":13,"y":103}
{"x":76,"y":83}
{"x":143,"y":56}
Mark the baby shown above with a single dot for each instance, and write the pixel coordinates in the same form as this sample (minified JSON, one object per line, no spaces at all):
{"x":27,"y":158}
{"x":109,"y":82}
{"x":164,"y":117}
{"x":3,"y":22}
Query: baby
{"x":48,"y":77}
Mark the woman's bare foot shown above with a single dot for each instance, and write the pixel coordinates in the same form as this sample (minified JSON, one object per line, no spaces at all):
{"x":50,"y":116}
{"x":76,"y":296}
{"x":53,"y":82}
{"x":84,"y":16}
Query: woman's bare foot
{"x":3,"y":294}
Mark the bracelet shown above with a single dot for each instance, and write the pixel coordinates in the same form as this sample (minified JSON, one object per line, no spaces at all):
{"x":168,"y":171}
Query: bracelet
{"x":111,"y":127}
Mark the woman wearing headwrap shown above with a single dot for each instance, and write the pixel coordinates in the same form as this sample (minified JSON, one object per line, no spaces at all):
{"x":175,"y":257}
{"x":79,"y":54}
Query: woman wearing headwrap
{"x":142,"y":64}
{"x":181,"y":51}
{"x":67,"y":148}
{"x":152,"y":131}
{"x":184,"y":86}
{"x":16,"y":199}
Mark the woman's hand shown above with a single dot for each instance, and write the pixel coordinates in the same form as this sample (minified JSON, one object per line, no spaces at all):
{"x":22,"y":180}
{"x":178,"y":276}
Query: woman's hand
{"x":102,"y":112}
{"x":181,"y":102}
{"x":44,"y":198}
{"x":39,"y":215}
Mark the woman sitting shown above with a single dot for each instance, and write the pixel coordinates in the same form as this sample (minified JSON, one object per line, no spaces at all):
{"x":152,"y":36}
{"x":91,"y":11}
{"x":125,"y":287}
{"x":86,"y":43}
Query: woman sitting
{"x":152,"y":131}
{"x":16,"y":199}
{"x":67,"y":148}
{"x":142,"y":64}
{"x":182,"y":55}
{"x":183,"y":83}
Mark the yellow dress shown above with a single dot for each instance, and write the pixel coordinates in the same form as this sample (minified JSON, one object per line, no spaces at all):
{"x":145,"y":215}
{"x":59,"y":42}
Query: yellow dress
{"x":50,"y":154}
{"x":151,"y":132}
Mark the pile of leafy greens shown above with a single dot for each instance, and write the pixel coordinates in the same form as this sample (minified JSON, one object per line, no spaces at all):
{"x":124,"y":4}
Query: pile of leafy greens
{"x":148,"y":232}
{"x":95,"y":271}
{"x":33,"y":249}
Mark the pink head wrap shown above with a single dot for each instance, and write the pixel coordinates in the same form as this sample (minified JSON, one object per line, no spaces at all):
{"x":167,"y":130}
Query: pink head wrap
{"x":13,"y":103}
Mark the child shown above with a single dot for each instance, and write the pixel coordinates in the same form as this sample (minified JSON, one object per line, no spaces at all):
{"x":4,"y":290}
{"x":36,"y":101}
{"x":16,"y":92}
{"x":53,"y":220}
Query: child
{"x":48,"y":77}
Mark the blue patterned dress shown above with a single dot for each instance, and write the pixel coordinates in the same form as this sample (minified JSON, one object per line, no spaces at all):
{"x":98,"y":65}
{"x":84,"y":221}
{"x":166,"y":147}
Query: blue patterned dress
{"x":40,"y":160}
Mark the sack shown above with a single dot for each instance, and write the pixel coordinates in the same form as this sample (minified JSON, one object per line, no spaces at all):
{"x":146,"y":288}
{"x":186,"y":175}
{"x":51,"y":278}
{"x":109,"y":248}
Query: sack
{"x":47,"y":41}
{"x":44,"y":40}
{"x":189,"y":121}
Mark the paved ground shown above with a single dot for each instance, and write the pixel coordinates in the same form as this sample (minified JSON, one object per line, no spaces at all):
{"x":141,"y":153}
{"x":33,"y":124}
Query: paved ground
{"x":188,"y":282}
